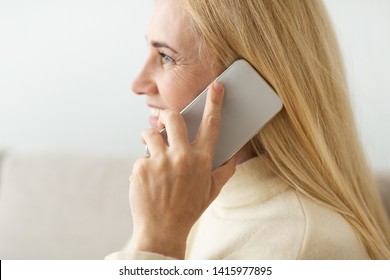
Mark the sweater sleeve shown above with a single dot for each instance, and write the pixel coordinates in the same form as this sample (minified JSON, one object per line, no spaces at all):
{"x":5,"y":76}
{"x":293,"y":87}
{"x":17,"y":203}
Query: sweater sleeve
{"x":137,"y":255}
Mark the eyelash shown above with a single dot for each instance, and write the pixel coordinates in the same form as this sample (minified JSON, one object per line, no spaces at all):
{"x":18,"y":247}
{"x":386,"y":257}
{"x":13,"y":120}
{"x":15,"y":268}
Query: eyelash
{"x":166,"y":58}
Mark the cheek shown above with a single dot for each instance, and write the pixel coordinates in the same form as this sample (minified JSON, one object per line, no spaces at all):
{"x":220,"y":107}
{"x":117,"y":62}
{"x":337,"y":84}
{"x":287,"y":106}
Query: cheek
{"x":178,"y":95}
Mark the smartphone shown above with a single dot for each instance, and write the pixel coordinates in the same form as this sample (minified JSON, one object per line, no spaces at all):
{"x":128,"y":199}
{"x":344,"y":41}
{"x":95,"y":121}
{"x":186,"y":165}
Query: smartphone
{"x":249,"y":103}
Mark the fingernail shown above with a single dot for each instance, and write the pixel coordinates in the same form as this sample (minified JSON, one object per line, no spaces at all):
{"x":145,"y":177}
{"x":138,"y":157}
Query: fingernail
{"x":218,"y":86}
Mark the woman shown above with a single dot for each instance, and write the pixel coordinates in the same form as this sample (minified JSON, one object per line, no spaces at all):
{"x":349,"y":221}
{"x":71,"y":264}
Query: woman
{"x":301,"y":188}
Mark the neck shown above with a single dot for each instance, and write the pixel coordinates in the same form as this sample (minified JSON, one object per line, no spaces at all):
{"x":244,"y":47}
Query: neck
{"x":245,"y":153}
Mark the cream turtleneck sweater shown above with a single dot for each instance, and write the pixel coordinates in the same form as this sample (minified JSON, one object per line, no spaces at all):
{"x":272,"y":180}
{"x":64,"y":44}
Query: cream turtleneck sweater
{"x":258,"y":216}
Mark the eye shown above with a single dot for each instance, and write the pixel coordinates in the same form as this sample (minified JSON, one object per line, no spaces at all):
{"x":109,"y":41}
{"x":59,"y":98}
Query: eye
{"x":165,"y":58}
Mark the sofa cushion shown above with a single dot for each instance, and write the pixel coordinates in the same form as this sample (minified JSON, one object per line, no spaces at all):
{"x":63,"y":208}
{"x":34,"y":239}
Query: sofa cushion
{"x":63,"y":207}
{"x":72,"y":207}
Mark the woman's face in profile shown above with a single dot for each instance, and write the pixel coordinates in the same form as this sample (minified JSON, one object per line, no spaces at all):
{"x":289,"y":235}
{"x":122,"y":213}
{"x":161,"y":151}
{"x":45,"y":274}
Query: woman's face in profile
{"x":174,"y":72}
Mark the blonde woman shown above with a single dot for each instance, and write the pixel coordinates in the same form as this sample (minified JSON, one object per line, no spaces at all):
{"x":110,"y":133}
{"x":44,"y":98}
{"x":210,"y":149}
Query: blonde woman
{"x":301,"y":188}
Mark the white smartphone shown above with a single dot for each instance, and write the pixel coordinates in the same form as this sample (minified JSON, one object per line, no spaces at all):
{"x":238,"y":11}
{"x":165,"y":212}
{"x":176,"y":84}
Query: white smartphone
{"x":249,"y":103}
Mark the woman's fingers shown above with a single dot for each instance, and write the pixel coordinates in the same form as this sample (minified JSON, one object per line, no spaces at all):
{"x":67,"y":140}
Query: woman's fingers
{"x":153,"y":140}
{"x":176,"y":132}
{"x":211,"y":122}
{"x":175,"y":127}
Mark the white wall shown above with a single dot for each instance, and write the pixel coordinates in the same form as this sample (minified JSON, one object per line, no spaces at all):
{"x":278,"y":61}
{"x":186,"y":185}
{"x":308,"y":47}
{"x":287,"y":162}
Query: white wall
{"x":363,"y":27}
{"x":65,"y":73}
{"x":66,"y":69}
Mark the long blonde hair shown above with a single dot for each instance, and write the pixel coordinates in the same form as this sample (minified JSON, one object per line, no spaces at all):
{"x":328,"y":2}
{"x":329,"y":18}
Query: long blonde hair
{"x":312,"y":144}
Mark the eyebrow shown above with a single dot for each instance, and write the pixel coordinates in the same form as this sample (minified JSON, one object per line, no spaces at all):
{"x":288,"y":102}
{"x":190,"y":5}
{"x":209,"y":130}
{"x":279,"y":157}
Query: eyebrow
{"x":157,"y":44}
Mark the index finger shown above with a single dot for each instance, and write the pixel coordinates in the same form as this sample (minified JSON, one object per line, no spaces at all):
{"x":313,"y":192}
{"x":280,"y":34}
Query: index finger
{"x":212,"y":117}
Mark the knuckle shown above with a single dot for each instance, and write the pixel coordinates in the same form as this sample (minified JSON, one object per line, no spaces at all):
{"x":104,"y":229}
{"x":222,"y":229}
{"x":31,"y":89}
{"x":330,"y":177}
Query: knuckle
{"x":181,"y":159}
{"x":213,"y":122}
{"x":173,"y":116}
{"x":148,"y":133}
{"x":205,"y":159}
{"x":170,"y":115}
{"x":139,"y":167}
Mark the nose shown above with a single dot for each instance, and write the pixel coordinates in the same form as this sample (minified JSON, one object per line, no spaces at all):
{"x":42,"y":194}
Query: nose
{"x":145,"y":83}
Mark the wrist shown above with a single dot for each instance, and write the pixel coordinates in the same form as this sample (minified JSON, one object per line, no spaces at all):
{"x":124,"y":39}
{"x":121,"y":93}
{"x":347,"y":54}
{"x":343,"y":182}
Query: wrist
{"x":167,"y":244}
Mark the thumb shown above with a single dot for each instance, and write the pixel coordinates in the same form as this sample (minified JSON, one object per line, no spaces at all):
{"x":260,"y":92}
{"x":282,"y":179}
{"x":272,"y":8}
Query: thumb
{"x":220,"y":176}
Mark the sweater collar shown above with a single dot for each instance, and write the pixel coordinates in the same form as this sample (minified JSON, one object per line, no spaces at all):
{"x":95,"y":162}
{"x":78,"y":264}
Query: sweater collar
{"x":252,"y":183}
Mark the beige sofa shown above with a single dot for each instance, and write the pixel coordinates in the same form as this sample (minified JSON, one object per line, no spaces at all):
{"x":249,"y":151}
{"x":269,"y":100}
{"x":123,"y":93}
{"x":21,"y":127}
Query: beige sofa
{"x":63,"y":207}
{"x":70,"y":207}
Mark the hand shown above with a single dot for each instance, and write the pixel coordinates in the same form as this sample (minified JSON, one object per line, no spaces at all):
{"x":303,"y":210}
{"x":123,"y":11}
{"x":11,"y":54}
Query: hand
{"x":171,"y":189}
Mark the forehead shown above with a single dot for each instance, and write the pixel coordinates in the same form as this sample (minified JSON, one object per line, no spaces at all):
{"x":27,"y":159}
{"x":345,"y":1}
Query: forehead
{"x":170,"y":23}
